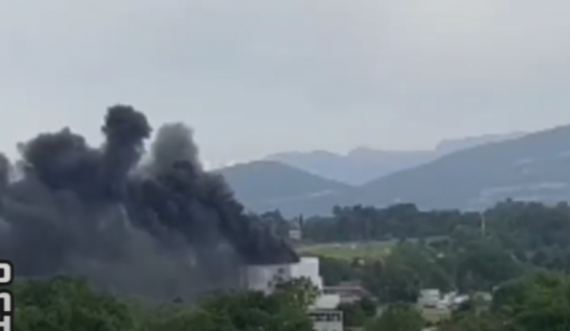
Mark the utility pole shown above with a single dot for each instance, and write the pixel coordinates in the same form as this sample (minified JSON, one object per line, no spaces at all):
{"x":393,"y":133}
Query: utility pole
{"x":483,"y":223}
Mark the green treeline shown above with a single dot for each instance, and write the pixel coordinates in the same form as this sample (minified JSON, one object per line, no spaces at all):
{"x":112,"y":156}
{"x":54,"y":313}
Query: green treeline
{"x":535,"y":302}
{"x":69,"y":304}
{"x":468,"y":252}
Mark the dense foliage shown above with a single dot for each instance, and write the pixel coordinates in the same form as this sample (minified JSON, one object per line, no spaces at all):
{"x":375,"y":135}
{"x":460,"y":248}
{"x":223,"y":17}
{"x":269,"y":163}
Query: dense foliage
{"x":398,"y":276}
{"x":63,"y":304}
{"x":519,"y":225}
{"x":397,"y":317}
{"x":535,"y":302}
{"x":517,"y":251}
{"x":449,"y":250}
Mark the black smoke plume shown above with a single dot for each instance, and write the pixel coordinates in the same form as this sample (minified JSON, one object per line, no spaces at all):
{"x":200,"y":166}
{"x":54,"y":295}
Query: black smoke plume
{"x":162,"y":227}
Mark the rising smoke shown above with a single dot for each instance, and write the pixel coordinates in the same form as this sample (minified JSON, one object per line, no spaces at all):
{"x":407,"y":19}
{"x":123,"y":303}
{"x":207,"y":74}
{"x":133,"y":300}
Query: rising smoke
{"x":162,"y":227}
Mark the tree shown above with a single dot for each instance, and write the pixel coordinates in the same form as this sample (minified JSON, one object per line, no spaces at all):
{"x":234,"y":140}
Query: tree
{"x":368,"y":306}
{"x":474,"y":322}
{"x":398,"y":317}
{"x":67,"y":304}
{"x":353,"y":314}
{"x":357,"y":314}
{"x":484,"y":264}
{"x":251,"y":311}
{"x":298,"y":291}
{"x":334,"y":270}
{"x":535,"y":302}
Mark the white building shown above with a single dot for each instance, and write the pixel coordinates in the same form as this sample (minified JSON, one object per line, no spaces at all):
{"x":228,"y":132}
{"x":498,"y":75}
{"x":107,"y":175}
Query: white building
{"x":433,"y":298}
{"x":295,"y":234}
{"x":326,"y":320}
{"x":265,"y":277}
{"x":429,"y":298}
{"x":323,"y":311}
{"x":308,"y":267}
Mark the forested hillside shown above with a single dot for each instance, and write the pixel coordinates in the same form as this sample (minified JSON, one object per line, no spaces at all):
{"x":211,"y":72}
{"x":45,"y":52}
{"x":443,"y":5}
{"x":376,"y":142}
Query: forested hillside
{"x":260,"y":185}
{"x":364,"y":164}
{"x":530,"y":168}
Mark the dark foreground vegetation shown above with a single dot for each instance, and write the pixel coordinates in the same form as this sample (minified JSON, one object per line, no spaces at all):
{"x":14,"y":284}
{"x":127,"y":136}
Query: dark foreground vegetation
{"x":67,"y":304}
{"x":538,"y":302}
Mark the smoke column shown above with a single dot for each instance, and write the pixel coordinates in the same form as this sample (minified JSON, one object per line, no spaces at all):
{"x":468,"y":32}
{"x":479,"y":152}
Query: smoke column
{"x":161,"y":228}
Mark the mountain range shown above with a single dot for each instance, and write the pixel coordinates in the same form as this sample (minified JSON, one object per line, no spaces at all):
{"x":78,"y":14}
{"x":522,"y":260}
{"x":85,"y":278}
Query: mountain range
{"x":472,"y":173}
{"x":269,"y":183}
{"x":364,"y":164}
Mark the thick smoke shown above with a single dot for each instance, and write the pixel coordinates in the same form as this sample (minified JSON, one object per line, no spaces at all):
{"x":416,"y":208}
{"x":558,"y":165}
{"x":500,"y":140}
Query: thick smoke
{"x":162,"y":227}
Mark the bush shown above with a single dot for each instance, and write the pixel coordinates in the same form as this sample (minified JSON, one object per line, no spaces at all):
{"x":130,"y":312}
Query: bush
{"x":68,"y":304}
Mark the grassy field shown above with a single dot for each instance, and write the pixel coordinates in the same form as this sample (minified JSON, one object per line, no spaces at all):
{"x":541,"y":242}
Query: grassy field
{"x":349,"y":251}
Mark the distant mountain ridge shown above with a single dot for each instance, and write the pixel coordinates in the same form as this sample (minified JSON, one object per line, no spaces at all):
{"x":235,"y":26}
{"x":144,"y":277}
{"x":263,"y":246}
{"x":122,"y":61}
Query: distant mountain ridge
{"x":364,"y":164}
{"x":355,"y":168}
{"x":533,"y":167}
{"x":447,"y":146}
{"x":263,"y":184}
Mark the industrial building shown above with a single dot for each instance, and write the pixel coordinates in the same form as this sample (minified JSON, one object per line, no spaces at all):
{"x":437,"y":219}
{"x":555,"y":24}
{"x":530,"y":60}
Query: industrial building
{"x":326,"y":319}
{"x":323,"y":312}
{"x":349,"y":292}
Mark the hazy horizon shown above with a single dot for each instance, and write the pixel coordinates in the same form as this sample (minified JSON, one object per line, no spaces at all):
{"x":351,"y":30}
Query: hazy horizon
{"x":256,"y":77}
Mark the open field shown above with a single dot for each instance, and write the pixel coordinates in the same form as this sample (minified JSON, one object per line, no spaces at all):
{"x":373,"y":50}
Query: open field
{"x":349,"y":251}
{"x":352,"y":250}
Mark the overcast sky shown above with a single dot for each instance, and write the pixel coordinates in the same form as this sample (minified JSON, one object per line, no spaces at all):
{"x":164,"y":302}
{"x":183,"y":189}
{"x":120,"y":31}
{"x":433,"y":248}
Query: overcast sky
{"x":256,"y":77}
